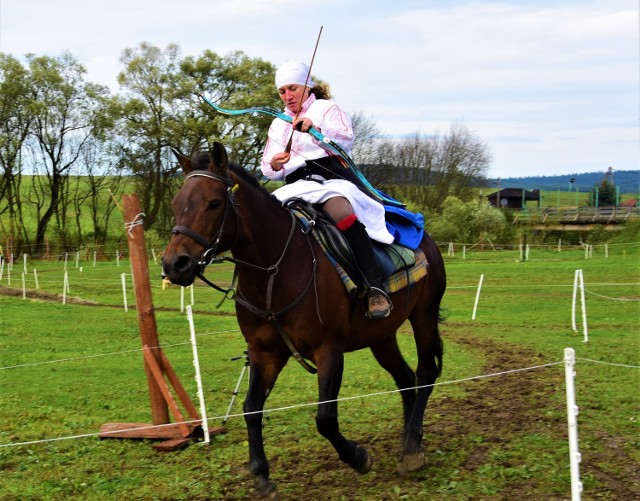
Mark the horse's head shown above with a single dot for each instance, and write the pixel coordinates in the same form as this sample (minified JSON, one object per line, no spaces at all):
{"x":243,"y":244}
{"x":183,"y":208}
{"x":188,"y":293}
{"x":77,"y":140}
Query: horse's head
{"x":201,"y":208}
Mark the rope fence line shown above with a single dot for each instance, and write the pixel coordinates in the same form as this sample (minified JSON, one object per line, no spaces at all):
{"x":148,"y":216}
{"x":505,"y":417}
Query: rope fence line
{"x":611,"y":298}
{"x":83,"y":255}
{"x":544,"y":286}
{"x":295,"y":406}
{"x":311,"y":404}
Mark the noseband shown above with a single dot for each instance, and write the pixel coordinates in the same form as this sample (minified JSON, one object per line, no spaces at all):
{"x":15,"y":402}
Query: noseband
{"x":211,"y":246}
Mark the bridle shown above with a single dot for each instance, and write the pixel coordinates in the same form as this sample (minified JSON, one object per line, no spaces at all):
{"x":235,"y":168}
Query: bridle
{"x":211,"y":246}
{"x":208,"y":257}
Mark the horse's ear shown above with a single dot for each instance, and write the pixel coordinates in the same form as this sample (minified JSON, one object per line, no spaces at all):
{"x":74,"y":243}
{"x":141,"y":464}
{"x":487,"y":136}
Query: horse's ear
{"x":183,"y":160}
{"x":219,"y":157}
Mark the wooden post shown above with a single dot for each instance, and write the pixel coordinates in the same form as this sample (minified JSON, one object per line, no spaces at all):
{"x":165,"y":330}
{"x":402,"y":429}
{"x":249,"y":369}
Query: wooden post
{"x":144,"y":303}
{"x":156,"y":363}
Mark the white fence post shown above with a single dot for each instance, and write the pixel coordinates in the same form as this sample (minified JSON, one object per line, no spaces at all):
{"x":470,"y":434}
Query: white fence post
{"x":475,"y":305}
{"x":196,"y":365}
{"x":578,"y":283}
{"x":124,"y":291}
{"x":572,"y":413}
{"x":65,"y":287}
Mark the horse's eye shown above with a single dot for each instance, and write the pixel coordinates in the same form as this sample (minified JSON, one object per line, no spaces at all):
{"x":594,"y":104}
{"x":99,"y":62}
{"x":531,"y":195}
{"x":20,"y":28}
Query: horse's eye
{"x":213,"y":204}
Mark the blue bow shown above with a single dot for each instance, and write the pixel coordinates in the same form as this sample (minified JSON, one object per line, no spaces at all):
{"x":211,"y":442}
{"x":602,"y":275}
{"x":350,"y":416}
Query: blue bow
{"x":327,"y":143}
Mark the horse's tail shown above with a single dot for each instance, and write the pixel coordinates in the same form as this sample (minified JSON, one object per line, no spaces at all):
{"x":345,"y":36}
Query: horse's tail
{"x":439,"y":282}
{"x":439,"y":351}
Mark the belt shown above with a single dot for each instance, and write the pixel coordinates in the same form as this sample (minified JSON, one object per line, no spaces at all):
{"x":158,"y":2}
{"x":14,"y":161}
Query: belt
{"x":305,"y":173}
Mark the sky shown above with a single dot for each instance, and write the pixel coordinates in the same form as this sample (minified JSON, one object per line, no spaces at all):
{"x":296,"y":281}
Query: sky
{"x":551,"y":87}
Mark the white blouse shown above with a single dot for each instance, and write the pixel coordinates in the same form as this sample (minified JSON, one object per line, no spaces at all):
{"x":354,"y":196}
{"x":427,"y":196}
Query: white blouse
{"x":326,"y":116}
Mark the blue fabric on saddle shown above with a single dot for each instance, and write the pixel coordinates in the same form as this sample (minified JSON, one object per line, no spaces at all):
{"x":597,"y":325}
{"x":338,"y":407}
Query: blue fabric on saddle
{"x":406,"y":227}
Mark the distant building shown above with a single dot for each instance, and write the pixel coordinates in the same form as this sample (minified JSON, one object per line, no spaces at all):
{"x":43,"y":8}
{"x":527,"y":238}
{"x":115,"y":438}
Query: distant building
{"x":513,"y":198}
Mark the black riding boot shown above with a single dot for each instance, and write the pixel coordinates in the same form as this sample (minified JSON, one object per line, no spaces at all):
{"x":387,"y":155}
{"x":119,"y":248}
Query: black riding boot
{"x":378,"y":303}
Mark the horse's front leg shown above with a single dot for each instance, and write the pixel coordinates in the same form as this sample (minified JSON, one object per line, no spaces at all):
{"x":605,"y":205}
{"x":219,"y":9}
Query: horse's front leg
{"x":330,"y":368}
{"x":264,"y":370}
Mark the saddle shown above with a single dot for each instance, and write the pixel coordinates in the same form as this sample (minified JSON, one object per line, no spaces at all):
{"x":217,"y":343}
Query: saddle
{"x":399,"y":265}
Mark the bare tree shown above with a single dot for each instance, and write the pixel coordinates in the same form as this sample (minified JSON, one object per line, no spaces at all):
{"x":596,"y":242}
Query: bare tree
{"x":426,"y":169}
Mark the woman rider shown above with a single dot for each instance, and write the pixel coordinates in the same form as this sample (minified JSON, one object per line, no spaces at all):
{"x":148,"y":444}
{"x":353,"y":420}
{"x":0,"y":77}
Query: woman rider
{"x":310,"y":173}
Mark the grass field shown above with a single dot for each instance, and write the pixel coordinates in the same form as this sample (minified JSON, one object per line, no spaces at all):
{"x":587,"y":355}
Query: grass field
{"x":67,"y":369}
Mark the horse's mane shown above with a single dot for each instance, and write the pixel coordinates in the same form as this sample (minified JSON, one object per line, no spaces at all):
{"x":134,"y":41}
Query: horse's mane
{"x":202,"y":159}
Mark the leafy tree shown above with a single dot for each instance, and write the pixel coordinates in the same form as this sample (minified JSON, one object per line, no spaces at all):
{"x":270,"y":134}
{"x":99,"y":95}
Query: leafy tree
{"x":162,"y":109}
{"x":16,"y":116}
{"x":234,"y":81}
{"x":603,"y":195}
{"x":151,"y":79}
{"x":68,"y":111}
{"x":469,"y":222}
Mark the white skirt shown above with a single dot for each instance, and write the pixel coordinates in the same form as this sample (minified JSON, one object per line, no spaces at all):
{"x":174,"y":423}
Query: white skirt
{"x":367,"y":210}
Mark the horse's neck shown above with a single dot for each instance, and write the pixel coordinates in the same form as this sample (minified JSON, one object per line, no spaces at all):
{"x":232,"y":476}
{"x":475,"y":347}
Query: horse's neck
{"x":264,"y":227}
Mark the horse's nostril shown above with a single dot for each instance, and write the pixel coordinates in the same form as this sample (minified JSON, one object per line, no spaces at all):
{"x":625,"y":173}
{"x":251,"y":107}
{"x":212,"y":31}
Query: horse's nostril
{"x":183,"y":262}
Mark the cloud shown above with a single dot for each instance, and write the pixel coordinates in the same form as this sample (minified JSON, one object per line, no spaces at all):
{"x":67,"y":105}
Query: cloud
{"x":548,"y":70}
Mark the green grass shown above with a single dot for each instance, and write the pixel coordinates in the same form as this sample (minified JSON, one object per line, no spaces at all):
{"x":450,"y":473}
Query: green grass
{"x":67,"y":369}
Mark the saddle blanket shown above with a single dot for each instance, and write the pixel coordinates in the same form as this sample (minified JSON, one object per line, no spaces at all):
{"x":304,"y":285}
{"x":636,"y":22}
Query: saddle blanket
{"x":398,"y":281}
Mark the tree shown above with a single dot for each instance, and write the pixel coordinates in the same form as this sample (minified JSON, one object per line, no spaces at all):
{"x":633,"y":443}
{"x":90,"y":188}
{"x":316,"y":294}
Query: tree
{"x":469,"y":222}
{"x":16,"y":116}
{"x":366,"y":134}
{"x":68,"y":111}
{"x":151,"y":78}
{"x":235,"y":82}
{"x":603,"y":195}
{"x":427,"y":169}
{"x":162,"y":109}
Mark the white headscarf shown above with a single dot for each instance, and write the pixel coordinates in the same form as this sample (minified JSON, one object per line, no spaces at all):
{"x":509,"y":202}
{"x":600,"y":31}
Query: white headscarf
{"x":293,"y":72}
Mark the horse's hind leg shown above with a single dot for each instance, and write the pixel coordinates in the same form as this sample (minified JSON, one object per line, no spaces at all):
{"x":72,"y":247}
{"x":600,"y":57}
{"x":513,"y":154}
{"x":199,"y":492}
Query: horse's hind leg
{"x":429,"y":347}
{"x":264,"y":370}
{"x":390,"y":358}
{"x":330,"y":368}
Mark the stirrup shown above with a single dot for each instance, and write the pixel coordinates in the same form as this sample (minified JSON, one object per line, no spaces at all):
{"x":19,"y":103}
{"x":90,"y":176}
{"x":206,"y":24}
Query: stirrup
{"x":378,"y":304}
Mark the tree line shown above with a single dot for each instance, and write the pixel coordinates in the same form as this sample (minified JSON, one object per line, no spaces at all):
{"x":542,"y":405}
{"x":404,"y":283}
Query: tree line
{"x":83,"y":145}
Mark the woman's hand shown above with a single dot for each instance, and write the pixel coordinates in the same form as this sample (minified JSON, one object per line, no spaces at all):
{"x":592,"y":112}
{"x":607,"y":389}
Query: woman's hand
{"x":279,"y":159}
{"x":302,"y":124}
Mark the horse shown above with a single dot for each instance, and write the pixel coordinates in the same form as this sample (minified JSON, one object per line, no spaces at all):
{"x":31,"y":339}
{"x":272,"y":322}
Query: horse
{"x":291,"y":302}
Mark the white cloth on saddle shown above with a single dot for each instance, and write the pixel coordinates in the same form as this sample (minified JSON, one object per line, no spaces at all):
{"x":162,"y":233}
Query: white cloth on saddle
{"x":367,"y":210}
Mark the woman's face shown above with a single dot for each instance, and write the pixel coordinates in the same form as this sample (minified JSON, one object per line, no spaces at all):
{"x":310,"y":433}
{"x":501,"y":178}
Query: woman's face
{"x":293,"y":95}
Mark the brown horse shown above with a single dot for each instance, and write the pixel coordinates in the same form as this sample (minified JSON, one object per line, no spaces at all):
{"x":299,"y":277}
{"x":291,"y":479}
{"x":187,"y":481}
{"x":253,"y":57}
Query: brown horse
{"x":290,"y":300}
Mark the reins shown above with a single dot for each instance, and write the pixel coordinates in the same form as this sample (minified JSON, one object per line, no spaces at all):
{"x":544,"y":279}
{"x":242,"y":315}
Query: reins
{"x":208,"y":257}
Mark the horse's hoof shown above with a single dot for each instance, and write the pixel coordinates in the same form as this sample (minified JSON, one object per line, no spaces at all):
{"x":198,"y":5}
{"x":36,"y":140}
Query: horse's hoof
{"x":365,"y":462}
{"x":410,"y":462}
{"x":266,"y":490}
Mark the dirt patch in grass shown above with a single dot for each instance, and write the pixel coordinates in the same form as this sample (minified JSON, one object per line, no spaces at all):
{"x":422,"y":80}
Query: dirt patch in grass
{"x":465,"y":440}
{"x":38,"y":295}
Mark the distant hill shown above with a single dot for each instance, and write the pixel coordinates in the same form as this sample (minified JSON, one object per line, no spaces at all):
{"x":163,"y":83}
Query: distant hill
{"x":627,"y":180}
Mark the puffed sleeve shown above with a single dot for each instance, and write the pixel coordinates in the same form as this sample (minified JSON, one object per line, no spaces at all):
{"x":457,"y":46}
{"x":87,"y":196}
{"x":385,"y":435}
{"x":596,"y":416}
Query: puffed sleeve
{"x":272,"y":147}
{"x":336,"y":125}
